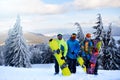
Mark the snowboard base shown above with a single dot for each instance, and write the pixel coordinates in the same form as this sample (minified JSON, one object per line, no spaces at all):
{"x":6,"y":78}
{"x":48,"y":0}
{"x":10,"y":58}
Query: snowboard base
{"x":81,"y":63}
{"x":64,"y":67}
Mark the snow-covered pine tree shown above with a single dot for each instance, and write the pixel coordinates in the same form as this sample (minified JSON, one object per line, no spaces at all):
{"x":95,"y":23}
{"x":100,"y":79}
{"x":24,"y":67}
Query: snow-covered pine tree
{"x":107,"y":36}
{"x":1,"y":55}
{"x":118,"y":45}
{"x":41,"y":53}
{"x":80,"y":34}
{"x":47,"y":56}
{"x":16,"y":50}
{"x":111,"y":56}
{"x":98,"y":27}
{"x":36,"y":54}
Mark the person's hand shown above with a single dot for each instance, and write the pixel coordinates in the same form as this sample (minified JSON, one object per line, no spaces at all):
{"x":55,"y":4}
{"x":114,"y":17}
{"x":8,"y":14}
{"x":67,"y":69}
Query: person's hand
{"x":76,"y":55}
{"x":73,"y":52}
{"x":58,"y":51}
{"x":62,"y":57}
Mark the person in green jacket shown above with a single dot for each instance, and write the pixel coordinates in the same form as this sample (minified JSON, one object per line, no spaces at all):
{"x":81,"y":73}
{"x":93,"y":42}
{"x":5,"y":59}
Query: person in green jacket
{"x":64,"y":48}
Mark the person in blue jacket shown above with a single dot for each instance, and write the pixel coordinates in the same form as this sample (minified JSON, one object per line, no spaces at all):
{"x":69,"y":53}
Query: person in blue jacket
{"x":73,"y":50}
{"x":86,"y":47}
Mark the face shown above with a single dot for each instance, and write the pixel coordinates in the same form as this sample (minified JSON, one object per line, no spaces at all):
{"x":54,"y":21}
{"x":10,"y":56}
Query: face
{"x":73,"y":37}
{"x":59,"y":37}
{"x":88,"y":38}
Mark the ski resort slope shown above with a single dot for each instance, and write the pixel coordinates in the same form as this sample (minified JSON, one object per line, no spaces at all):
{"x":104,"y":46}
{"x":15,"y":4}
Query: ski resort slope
{"x":46,"y":72}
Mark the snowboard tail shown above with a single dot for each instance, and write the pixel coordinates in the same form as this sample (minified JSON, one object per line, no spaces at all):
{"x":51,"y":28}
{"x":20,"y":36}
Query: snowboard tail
{"x":93,"y":61}
{"x":81,"y":63}
{"x":63,"y":65}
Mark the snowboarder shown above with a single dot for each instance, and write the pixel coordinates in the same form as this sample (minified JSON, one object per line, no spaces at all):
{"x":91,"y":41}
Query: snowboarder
{"x":73,"y":50}
{"x":87,"y":50}
{"x":63,"y":47}
{"x":58,"y":56}
{"x":96,"y":49}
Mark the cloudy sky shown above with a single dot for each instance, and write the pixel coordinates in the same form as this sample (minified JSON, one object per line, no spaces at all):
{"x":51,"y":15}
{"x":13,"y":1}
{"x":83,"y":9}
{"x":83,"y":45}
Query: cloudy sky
{"x":57,"y":16}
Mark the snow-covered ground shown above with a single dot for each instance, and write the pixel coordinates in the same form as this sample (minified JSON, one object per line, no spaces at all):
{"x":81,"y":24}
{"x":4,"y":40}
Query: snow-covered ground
{"x":46,"y":72}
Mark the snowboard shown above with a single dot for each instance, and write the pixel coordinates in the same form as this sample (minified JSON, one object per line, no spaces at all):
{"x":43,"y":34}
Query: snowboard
{"x":81,"y":62}
{"x":63,"y":65}
{"x":93,"y":61}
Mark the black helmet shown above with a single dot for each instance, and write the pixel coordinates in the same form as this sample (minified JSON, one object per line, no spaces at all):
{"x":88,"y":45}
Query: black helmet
{"x":59,"y":35}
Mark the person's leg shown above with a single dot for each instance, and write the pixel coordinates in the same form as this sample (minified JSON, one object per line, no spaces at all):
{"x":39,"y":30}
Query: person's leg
{"x":56,"y":67}
{"x":74,"y":66}
{"x":69,"y":61}
{"x":96,"y":69}
{"x":87,"y":64}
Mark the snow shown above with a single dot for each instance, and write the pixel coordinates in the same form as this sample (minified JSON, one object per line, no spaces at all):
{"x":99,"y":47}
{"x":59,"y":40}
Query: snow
{"x":116,"y":37}
{"x":46,"y":72}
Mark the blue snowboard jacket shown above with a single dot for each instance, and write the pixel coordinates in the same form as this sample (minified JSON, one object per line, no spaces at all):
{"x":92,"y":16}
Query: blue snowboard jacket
{"x":73,"y":46}
{"x":88,"y":47}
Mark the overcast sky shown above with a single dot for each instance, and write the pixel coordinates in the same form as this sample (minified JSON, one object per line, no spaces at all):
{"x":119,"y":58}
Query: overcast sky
{"x":57,"y":16}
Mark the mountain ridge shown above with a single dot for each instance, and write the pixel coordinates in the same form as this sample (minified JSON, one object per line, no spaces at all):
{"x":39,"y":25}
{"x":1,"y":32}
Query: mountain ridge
{"x":30,"y":37}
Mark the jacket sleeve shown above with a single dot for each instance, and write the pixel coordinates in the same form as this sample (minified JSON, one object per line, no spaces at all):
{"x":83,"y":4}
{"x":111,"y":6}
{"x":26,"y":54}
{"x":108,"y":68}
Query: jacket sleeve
{"x":99,"y":45}
{"x":77,"y":48}
{"x":65,"y":49}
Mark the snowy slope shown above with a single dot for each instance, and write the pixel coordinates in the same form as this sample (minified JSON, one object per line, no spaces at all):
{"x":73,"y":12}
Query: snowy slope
{"x":45,"y":72}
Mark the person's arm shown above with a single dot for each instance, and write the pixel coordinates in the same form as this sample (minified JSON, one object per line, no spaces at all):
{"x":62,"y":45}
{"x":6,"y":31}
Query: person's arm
{"x":65,"y":49}
{"x":82,"y":46}
{"x":99,"y":45}
{"x":77,"y":48}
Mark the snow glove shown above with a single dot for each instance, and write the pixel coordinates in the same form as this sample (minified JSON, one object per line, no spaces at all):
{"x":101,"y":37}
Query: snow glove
{"x":73,"y":53}
{"x":58,"y":51}
{"x":63,"y":57}
{"x":88,"y":56}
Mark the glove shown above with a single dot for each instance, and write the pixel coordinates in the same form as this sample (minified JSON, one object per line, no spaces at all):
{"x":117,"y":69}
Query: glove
{"x":50,"y":40}
{"x":83,"y":54}
{"x":76,"y":55}
{"x":62,"y":57}
{"x":73,"y":52}
{"x":88,"y":56}
{"x":58,"y":51}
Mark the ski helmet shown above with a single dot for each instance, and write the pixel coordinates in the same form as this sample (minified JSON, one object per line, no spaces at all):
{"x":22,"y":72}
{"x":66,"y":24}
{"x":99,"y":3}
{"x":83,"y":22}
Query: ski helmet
{"x":59,"y":36}
{"x":73,"y":36}
{"x":88,"y":35}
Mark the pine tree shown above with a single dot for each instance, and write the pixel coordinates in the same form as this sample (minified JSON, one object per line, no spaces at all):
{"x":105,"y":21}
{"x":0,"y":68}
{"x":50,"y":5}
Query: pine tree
{"x":107,"y":36}
{"x":16,"y":53}
{"x":118,"y":45}
{"x":98,"y":27}
{"x":1,"y":55}
{"x":80,"y":35}
{"x":41,"y":53}
{"x":111,"y":56}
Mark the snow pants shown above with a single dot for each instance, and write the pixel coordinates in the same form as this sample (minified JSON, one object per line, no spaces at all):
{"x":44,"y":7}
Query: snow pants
{"x":56,"y":66}
{"x":96,"y":68}
{"x":72,"y":64}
